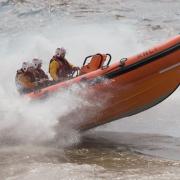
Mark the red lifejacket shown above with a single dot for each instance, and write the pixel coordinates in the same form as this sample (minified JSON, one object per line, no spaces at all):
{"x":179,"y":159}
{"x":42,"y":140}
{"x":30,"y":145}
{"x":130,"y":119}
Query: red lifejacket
{"x":40,"y":74}
{"x":19,"y":86}
{"x":27,"y":73}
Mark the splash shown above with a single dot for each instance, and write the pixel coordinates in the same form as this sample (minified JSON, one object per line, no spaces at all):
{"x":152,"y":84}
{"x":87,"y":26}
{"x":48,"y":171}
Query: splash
{"x":24,"y":121}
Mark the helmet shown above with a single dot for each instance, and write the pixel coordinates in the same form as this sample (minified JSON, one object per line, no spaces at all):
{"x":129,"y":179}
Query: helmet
{"x":25,"y":66}
{"x":60,"y":52}
{"x":36,"y":62}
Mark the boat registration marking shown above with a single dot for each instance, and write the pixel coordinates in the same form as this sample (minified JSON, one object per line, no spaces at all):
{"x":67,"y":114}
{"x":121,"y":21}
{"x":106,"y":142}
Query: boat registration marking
{"x":169,"y":68}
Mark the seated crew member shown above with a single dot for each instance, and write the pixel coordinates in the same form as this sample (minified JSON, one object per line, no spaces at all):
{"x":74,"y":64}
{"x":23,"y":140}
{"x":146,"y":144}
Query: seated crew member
{"x":59,"y":67}
{"x":25,"y":79}
{"x":40,"y":75}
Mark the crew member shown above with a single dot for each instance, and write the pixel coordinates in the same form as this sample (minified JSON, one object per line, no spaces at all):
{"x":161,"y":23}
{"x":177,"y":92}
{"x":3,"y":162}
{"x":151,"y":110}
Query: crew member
{"x":59,"y":68}
{"x":25,"y":79}
{"x":40,"y":75}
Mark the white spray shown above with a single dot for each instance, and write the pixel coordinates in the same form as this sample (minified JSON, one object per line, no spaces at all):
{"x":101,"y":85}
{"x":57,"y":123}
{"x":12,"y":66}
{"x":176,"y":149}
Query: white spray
{"x":27,"y":121}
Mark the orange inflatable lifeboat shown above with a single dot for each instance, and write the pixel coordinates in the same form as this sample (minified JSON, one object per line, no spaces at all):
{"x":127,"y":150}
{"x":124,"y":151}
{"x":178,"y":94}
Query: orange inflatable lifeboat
{"x":124,"y":88}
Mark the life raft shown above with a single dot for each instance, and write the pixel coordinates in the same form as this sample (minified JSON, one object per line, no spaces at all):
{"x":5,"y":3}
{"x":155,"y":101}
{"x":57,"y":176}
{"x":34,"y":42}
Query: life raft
{"x":126,"y":87}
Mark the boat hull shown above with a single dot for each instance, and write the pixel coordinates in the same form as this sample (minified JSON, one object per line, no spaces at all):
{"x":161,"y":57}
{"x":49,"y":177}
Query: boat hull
{"x":144,"y":81}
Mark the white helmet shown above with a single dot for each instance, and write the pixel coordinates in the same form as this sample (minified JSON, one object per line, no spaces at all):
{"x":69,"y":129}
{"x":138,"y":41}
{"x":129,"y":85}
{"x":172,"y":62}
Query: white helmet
{"x":60,"y":52}
{"x":36,"y":62}
{"x":25,"y":66}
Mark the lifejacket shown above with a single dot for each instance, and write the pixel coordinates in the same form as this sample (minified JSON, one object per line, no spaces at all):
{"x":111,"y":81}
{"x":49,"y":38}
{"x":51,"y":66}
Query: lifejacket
{"x":28,"y":74}
{"x":40,"y":74}
{"x":31,"y":76}
{"x":18,"y":84}
{"x":64,"y":67}
{"x":20,"y":76}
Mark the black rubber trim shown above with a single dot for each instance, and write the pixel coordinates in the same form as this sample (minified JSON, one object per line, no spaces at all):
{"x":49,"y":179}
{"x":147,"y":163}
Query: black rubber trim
{"x":143,"y":62}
